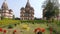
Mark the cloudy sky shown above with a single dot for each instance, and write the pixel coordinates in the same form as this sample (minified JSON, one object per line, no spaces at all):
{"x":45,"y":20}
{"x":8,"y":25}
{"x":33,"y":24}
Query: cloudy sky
{"x":15,"y":5}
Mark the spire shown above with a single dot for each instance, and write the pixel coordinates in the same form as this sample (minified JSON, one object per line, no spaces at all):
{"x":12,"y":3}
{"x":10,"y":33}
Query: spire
{"x":28,"y":4}
{"x":4,"y":5}
{"x":27,"y":0}
{"x":4,"y":0}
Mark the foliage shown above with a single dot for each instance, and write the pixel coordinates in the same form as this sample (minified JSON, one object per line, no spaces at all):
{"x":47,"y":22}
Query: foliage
{"x":55,"y":26}
{"x":10,"y":26}
{"x":33,"y":21}
{"x":2,"y":17}
{"x":26,"y":27}
{"x":13,"y":16}
{"x":17,"y":18}
{"x":36,"y":18}
{"x":51,"y":10}
{"x":15,"y":24}
{"x":6,"y":22}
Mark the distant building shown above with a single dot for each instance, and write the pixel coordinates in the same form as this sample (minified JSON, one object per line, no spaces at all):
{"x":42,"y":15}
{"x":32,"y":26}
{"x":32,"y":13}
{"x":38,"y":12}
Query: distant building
{"x":5,"y":11}
{"x":27,"y":13}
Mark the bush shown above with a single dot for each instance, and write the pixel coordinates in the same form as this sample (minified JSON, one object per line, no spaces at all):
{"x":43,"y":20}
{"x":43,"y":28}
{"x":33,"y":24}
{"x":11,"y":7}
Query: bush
{"x":10,"y":26}
{"x":15,"y":24}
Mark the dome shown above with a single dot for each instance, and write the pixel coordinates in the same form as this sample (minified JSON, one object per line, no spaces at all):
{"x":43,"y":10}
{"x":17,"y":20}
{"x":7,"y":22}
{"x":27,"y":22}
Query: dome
{"x":22,"y":8}
{"x":31,"y":8}
{"x":10,"y":10}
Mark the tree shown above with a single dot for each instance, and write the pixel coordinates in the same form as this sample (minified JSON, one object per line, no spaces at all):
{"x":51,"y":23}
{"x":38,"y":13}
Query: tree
{"x":13,"y":16}
{"x":2,"y":17}
{"x":17,"y":18}
{"x":51,"y":10}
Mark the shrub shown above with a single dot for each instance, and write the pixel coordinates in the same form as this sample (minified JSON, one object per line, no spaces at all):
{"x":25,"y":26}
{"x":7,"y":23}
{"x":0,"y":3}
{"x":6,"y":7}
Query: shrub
{"x":10,"y":26}
{"x":15,"y":24}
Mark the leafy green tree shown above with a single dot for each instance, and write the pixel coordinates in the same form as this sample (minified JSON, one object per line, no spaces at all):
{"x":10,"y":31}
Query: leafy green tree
{"x":51,"y":10}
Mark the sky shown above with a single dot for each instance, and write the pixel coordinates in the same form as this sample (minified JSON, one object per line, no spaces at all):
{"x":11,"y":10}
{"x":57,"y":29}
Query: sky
{"x":16,"y":5}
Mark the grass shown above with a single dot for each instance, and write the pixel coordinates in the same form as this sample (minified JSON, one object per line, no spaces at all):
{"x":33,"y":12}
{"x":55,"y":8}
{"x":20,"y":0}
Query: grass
{"x":32,"y":27}
{"x":31,"y":30}
{"x":32,"y":24}
{"x":6,"y":22}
